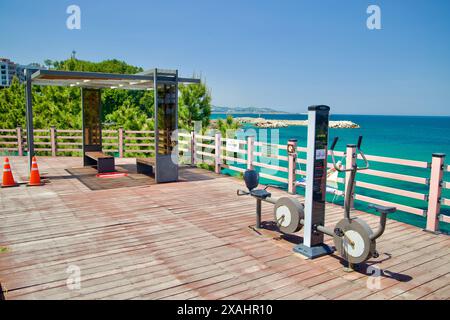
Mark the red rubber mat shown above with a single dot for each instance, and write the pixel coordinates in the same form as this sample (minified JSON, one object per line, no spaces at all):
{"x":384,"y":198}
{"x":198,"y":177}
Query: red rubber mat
{"x":112,"y":175}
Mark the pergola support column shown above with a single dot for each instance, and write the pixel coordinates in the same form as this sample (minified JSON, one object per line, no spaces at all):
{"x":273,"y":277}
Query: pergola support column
{"x":29,"y":115}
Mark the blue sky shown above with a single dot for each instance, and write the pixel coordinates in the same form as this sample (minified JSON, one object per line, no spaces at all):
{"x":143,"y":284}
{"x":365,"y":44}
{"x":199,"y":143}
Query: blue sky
{"x":279,"y":54}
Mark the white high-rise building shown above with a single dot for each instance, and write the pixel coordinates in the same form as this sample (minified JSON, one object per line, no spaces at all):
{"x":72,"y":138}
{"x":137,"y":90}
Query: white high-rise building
{"x":8,"y":70}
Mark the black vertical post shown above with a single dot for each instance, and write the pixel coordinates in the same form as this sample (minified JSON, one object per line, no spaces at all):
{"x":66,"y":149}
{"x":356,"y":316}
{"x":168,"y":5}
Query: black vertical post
{"x":175,"y":133}
{"x":83,"y":128}
{"x":29,"y":114}
{"x":316,"y":183}
{"x":258,"y":213}
{"x":155,"y":94}
{"x":166,"y":123}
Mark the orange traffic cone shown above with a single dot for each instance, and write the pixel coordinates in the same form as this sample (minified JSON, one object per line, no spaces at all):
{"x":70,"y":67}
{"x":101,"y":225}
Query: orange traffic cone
{"x":35,"y":178}
{"x":8,"y":179}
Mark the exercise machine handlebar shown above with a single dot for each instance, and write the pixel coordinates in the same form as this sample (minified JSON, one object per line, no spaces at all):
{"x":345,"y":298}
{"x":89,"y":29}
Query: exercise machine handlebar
{"x":359,"y":142}
{"x":356,"y":168}
{"x":333,"y":145}
{"x":242,"y":193}
{"x":384,"y":211}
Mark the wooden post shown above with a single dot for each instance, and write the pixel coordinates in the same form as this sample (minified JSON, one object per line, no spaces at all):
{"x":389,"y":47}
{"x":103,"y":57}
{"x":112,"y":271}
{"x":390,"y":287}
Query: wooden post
{"x":193,"y":149}
{"x":19,"y":141}
{"x":292,"y":166}
{"x":120,"y":142}
{"x":434,"y":195}
{"x":218,"y":152}
{"x":350,"y":161}
{"x":250,"y":148}
{"x":53,"y":140}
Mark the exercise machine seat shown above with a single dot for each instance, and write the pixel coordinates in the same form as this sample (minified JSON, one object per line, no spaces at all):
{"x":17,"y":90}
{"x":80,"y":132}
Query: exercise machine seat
{"x":383,"y":209}
{"x":260,"y":193}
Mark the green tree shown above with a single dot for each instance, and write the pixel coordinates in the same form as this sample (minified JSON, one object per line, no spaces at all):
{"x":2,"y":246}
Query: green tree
{"x":57,"y":106}
{"x":194,"y":105}
{"x":147,"y":103}
{"x":228,"y":124}
{"x":108,"y":66}
{"x":114,"y":98}
{"x":61,"y":106}
{"x":12,"y":105}
{"x":130,"y":117}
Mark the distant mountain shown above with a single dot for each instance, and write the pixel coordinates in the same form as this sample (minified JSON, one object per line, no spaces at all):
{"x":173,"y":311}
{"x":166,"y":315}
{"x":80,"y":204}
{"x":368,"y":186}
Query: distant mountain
{"x":251,"y":110}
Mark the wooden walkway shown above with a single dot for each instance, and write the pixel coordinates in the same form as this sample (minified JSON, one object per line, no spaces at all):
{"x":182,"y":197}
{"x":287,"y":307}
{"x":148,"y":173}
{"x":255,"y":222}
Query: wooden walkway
{"x":187,"y":240}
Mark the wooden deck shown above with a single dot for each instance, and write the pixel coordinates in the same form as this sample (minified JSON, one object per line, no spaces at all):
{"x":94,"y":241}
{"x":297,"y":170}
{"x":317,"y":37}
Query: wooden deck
{"x":187,"y":240}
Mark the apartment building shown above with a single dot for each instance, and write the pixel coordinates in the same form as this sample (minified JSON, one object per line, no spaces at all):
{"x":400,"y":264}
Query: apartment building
{"x":8,"y":70}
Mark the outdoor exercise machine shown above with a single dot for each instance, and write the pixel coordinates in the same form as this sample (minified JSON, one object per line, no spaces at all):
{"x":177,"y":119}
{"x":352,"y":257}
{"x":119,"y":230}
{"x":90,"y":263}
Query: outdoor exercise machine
{"x":353,"y":239}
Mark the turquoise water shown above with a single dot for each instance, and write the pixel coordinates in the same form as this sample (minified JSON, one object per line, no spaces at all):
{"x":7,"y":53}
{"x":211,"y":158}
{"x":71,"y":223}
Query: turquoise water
{"x":407,"y":137}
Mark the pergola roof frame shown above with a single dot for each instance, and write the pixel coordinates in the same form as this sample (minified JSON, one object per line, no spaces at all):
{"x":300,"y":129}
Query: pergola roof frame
{"x":98,"y":80}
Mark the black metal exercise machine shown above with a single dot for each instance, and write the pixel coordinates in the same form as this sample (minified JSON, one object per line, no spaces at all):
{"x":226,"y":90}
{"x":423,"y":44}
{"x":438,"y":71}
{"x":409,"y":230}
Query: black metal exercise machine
{"x":353,"y":239}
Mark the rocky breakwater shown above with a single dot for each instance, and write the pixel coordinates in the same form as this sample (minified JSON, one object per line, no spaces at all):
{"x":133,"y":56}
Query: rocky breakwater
{"x":273,"y":123}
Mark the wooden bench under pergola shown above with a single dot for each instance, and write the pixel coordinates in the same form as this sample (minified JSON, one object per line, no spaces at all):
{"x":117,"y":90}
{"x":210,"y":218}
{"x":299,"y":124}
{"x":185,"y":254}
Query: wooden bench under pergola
{"x":103,"y":162}
{"x":145,"y":165}
{"x":164,"y":83}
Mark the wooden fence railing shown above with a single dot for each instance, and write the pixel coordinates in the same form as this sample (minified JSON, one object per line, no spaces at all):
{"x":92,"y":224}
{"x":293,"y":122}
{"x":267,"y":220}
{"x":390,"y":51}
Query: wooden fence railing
{"x":56,"y":142}
{"x":277,"y":167}
{"x":238,"y":155}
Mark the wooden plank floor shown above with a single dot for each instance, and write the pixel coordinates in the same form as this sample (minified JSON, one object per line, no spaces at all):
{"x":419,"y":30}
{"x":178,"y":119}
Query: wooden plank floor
{"x":187,"y":240}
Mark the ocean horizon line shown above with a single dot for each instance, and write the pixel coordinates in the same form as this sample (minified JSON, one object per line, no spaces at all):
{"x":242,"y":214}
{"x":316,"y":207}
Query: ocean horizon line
{"x":339,"y":114}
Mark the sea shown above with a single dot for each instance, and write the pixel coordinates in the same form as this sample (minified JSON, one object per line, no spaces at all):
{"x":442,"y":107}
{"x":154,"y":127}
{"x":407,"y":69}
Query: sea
{"x":405,"y":137}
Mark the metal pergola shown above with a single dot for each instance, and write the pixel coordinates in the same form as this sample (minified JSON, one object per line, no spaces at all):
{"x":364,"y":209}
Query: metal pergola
{"x":163,"y":82}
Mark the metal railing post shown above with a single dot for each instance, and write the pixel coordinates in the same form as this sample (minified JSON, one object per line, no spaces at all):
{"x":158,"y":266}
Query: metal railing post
{"x":250,"y":148}
{"x":292,"y":166}
{"x":19,"y":141}
{"x":350,"y":161}
{"x":53,"y":140}
{"x":218,"y":152}
{"x":120,"y":135}
{"x":193,"y":149}
{"x":434,"y":196}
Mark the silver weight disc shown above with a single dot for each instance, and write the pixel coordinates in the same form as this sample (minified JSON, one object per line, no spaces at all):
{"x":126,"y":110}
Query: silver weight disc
{"x":287,"y":213}
{"x":355,"y":245}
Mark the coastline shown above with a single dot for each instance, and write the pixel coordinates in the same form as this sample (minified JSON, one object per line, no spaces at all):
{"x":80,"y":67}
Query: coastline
{"x":281,"y":113}
{"x":275,"y":123}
